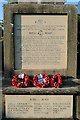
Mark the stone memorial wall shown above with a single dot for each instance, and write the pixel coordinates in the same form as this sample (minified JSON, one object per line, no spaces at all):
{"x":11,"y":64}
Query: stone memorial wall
{"x":41,"y":38}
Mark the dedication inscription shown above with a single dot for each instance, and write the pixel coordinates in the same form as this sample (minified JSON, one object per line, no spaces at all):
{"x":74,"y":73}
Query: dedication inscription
{"x":40,"y":41}
{"x":39,"y":106}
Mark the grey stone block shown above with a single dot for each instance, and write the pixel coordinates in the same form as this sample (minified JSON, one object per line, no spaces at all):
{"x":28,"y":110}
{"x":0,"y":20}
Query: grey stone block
{"x":12,"y":9}
{"x":78,"y":107}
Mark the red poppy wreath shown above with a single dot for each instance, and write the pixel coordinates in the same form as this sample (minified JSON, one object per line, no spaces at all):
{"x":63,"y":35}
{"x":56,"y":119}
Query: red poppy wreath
{"x":56,"y":81}
{"x":41,"y":80}
{"x":20,"y":80}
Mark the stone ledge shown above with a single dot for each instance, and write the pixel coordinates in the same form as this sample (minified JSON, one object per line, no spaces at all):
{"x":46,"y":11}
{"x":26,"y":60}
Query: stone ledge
{"x":34,"y":91}
{"x":70,"y":86}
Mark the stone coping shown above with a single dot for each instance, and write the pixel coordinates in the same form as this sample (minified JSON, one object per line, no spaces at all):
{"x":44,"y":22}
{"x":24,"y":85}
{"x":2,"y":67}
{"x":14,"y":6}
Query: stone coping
{"x":70,"y":86}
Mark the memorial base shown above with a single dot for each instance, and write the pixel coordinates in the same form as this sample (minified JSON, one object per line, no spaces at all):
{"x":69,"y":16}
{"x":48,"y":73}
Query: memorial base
{"x":42,"y":103}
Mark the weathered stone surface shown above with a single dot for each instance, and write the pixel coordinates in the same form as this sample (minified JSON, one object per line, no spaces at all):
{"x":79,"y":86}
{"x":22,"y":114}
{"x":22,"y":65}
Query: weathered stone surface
{"x":0,"y":103}
{"x":0,"y":50}
{"x":39,"y":106}
{"x":41,"y":42}
{"x":38,"y":1}
{"x":0,"y":32}
{"x":71,"y":11}
{"x":78,"y":107}
{"x":70,"y":86}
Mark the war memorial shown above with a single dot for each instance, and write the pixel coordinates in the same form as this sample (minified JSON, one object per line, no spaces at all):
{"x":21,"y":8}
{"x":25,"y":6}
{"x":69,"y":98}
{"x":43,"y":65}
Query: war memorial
{"x":40,"y":62}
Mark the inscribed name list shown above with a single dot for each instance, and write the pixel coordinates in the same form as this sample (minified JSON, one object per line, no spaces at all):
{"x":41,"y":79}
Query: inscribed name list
{"x":40,"y":41}
{"x":39,"y":106}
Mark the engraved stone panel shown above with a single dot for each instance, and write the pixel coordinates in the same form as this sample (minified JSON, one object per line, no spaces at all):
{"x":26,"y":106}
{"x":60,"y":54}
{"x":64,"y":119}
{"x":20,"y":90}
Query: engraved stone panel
{"x":39,"y":106}
{"x":40,"y":41}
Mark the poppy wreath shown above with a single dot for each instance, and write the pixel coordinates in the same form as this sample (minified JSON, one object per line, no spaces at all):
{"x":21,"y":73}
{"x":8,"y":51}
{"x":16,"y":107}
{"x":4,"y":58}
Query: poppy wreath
{"x":21,"y":80}
{"x":41,"y":80}
{"x":56,"y":81}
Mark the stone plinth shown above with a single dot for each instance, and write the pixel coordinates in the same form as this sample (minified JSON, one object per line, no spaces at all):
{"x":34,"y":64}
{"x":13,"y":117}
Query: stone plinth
{"x":70,"y":88}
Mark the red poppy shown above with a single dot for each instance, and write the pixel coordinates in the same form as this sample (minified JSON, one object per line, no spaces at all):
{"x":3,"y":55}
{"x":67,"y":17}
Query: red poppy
{"x":20,"y":81}
{"x":41,"y":80}
{"x":56,"y":81}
